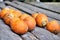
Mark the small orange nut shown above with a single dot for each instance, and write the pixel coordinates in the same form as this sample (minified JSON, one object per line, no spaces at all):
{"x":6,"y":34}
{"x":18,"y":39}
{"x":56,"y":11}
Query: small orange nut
{"x":41,"y":20}
{"x":23,"y":16}
{"x":4,"y":11}
{"x":18,"y":26}
{"x":17,"y":13}
{"x":34,"y":15}
{"x":53,"y":26}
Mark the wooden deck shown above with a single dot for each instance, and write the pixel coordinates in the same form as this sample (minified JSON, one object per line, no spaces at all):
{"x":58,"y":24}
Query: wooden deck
{"x":30,"y":8}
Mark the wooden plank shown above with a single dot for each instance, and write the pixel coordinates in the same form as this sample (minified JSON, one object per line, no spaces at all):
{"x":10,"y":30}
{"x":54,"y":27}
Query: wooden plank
{"x":6,"y":33}
{"x":43,"y":34}
{"x":29,"y":36}
{"x":48,"y":6}
{"x":2,"y":5}
{"x":18,"y":7}
{"x":35,"y":9}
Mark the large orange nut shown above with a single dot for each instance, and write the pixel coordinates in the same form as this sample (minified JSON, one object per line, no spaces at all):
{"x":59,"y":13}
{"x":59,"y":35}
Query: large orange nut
{"x":4,"y":11}
{"x":29,"y":20}
{"x":41,"y":20}
{"x":17,"y":13}
{"x":18,"y":26}
{"x":53,"y":26}
{"x":34,"y":15}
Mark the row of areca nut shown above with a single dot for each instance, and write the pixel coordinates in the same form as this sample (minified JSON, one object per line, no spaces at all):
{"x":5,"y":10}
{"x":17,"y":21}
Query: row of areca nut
{"x":21,"y":23}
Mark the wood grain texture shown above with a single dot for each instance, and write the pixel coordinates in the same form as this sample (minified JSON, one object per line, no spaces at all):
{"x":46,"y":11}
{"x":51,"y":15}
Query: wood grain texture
{"x":2,"y":5}
{"x":50,"y":6}
{"x":29,"y":36}
{"x":43,"y":34}
{"x":18,"y":7}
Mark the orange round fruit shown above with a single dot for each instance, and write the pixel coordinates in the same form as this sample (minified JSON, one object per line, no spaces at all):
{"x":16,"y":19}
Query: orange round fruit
{"x":7,"y":18}
{"x":18,"y":26}
{"x":23,"y":16}
{"x":17,"y":13}
{"x":34,"y":15}
{"x":4,"y":11}
{"x":29,"y":20}
{"x":53,"y":26}
{"x":41,"y":20}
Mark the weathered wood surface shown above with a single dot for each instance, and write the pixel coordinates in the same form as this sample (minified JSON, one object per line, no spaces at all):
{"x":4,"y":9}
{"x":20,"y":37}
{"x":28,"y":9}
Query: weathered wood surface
{"x":29,"y":36}
{"x":36,"y":34}
{"x":6,"y":33}
{"x":18,"y":6}
{"x":35,"y":9}
{"x":43,"y":34}
{"x":49,"y":6}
